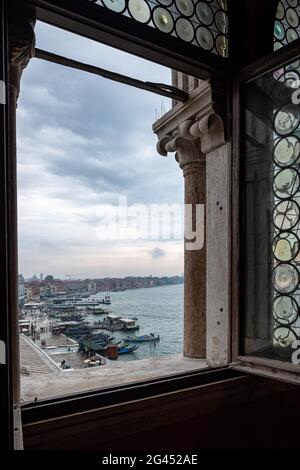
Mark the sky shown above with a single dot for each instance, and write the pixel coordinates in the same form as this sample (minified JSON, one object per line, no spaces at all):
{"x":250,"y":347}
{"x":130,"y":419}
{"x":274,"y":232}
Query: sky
{"x":83,"y":142}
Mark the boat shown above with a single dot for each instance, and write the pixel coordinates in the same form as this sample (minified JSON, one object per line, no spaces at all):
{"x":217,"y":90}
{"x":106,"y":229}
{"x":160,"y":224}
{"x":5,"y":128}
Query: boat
{"x":142,"y":339}
{"x":96,"y":310}
{"x":106,"y":300}
{"x":127,"y":350}
{"x":115,"y":322}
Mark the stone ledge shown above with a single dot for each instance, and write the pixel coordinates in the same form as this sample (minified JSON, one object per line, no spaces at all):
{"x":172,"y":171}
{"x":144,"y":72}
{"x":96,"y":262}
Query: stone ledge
{"x":114,"y":373}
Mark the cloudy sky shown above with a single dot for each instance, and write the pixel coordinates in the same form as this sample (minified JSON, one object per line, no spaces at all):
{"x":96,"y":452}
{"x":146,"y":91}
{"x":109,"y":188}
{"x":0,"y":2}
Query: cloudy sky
{"x":83,"y":142}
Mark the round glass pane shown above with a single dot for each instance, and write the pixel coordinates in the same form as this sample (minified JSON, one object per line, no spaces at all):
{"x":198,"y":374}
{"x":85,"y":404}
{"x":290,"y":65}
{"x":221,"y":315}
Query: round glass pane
{"x":221,"y":21}
{"x":185,"y":7}
{"x":204,"y":13}
{"x":277,"y":45}
{"x":290,"y":78}
{"x":286,"y":247}
{"x":283,"y":339}
{"x":280,"y":11}
{"x":294,"y":65}
{"x":291,"y":35}
{"x":139,"y":10}
{"x":286,"y":183}
{"x":287,"y":119}
{"x":115,"y":5}
{"x":286,"y":215}
{"x":184,"y":29}
{"x":163,"y":20}
{"x":287,"y":151}
{"x":279,"y":31}
{"x":222,"y":45}
{"x":285,"y":310}
{"x":286,"y":278}
{"x":205,"y":38}
{"x":292,"y":3}
{"x":292,"y":17}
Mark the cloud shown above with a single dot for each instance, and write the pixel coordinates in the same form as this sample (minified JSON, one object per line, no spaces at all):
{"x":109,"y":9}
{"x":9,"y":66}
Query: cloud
{"x":82,"y":142}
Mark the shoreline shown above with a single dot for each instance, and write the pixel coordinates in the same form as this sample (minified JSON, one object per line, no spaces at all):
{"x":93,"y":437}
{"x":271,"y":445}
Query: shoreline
{"x":138,"y":288}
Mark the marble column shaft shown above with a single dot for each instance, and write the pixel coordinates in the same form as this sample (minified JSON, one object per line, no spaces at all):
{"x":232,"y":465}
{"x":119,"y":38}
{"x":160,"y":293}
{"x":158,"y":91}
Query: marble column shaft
{"x":192,"y":130}
{"x":195,"y":268}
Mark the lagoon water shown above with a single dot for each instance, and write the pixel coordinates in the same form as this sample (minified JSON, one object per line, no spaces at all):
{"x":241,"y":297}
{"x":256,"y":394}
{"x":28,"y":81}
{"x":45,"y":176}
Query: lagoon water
{"x":158,"y":310}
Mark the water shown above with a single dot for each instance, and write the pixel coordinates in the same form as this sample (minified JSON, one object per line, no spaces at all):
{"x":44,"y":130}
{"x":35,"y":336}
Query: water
{"x":158,"y":310}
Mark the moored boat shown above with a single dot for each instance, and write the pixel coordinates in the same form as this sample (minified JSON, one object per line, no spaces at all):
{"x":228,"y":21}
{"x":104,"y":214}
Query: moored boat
{"x":142,"y":339}
{"x":115,"y":322}
{"x":106,"y":300}
{"x":127,"y":349}
{"x":97,"y":310}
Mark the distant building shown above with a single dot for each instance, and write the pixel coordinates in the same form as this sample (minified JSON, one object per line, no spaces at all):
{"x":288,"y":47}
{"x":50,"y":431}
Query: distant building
{"x":92,"y":287}
{"x":57,"y":286}
{"x":21,"y":289}
{"x":32,"y":292}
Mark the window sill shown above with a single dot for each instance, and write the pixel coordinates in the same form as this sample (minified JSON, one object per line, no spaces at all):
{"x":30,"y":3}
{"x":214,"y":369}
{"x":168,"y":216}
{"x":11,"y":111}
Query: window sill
{"x":62,"y":383}
{"x":268,"y":368}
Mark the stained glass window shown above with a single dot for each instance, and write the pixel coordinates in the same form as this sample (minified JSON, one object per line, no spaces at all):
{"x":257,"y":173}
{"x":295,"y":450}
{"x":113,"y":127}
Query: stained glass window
{"x":287,"y":23}
{"x":200,"y":23}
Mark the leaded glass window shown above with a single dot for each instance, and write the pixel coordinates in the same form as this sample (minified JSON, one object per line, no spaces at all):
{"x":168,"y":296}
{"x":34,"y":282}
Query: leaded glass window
{"x":287,"y":23}
{"x":201,"y":23}
{"x":272,"y":215}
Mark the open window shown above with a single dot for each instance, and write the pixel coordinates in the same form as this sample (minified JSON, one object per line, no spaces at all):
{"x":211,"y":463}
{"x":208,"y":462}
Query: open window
{"x":92,"y":201}
{"x":269,"y":215}
{"x":194,"y":30}
{"x":235,"y":128}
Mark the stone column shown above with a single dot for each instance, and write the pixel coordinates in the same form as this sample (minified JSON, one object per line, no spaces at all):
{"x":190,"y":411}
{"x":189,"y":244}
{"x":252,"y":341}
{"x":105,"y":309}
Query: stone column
{"x":194,"y":259}
{"x":192,"y":129}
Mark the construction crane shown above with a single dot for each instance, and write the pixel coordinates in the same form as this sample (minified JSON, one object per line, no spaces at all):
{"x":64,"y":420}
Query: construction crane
{"x":71,"y":275}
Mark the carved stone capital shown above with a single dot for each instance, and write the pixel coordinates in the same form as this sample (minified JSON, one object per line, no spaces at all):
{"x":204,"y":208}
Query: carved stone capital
{"x":191,"y":129}
{"x":188,"y":151}
{"x":193,"y":139}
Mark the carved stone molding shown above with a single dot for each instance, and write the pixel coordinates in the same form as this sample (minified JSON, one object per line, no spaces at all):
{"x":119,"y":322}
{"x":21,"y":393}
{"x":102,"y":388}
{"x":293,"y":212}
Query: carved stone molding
{"x":187,"y":151}
{"x":191,"y":129}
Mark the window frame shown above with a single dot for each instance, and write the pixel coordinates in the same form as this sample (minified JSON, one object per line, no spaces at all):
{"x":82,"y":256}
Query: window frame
{"x":109,"y":29}
{"x":55,"y":407}
{"x":6,"y":368}
{"x":251,"y":364}
{"x":116,"y":30}
{"x":198,"y":63}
